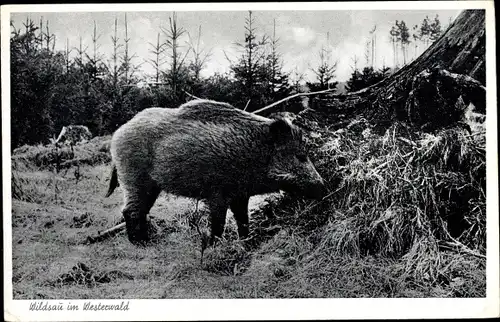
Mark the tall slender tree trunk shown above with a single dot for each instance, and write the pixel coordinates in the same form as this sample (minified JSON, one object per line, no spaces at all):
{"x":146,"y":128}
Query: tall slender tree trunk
{"x":126,"y":57}
{"x":250,"y":67}
{"x":397,"y":52}
{"x":41,"y":32}
{"x":157,"y":58}
{"x":67,"y":55}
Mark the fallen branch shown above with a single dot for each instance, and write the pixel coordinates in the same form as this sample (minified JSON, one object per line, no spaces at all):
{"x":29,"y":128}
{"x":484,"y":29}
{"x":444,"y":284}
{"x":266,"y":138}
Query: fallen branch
{"x":106,"y":234}
{"x":192,"y":96}
{"x":291,"y":97}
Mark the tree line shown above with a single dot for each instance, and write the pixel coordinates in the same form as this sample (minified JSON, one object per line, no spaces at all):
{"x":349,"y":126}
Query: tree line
{"x":400,"y":38}
{"x":79,"y":85}
{"x":423,"y":36}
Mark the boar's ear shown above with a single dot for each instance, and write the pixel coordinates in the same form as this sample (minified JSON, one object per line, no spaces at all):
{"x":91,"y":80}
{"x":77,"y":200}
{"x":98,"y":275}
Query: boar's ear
{"x":280,"y":130}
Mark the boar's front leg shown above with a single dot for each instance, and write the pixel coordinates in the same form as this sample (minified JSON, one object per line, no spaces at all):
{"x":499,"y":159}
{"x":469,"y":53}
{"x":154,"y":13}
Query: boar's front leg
{"x":218,"y":205}
{"x":138,"y":203}
{"x":239,"y":207}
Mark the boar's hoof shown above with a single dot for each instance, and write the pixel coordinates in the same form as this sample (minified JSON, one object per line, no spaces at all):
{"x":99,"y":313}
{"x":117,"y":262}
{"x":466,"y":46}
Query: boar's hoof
{"x":137,"y":231}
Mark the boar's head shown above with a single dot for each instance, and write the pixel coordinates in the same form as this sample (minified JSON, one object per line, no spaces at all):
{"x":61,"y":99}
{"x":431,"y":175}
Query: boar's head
{"x":290,"y":167}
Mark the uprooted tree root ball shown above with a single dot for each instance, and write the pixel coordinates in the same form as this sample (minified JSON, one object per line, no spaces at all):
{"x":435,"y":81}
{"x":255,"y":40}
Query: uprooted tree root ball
{"x":415,"y":198}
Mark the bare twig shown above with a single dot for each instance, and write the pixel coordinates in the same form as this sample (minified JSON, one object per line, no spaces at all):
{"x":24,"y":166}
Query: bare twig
{"x":227,"y":57}
{"x":456,"y":245}
{"x":246,"y":105}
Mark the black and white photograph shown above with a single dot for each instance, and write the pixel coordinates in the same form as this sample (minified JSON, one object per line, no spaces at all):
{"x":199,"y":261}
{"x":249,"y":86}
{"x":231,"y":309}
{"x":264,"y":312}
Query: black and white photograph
{"x":160,"y":158}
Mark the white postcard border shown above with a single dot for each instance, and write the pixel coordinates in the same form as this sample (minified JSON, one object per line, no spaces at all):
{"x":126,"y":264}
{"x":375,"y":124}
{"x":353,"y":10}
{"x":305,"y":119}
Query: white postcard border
{"x":257,"y":309}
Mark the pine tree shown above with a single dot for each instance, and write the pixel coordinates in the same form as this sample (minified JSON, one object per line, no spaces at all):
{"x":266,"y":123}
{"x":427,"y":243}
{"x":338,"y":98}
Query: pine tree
{"x":355,"y":82}
{"x":34,"y":97}
{"x":325,"y":72}
{"x":404,"y":38}
{"x":297,"y":78}
{"x":48,"y":37}
{"x":176,"y":75}
{"x":96,"y":59}
{"x":367,"y":77}
{"x":114,"y":68}
{"x":157,"y":50}
{"x":277,"y":80}
{"x":200,"y":55}
{"x":373,"y":46}
{"x":425,"y":30}
{"x":367,"y":53}
{"x":250,"y":68}
{"x":127,"y":65}
{"x":416,"y":38}
{"x":385,"y":71}
{"x":81,"y":52}
{"x":394,"y":36}
{"x":67,"y":52}
{"x":435,"y":30}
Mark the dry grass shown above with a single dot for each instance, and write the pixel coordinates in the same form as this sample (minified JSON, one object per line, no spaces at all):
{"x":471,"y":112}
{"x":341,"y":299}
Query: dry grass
{"x":48,"y":157}
{"x":413,"y":203}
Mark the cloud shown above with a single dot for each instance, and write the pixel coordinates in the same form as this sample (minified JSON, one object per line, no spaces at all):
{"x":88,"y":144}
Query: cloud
{"x":303,"y":36}
{"x":141,"y":28}
{"x":218,"y":62}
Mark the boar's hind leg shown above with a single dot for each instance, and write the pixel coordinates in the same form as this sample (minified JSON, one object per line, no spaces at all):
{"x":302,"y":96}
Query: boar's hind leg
{"x":239,"y":207}
{"x":218,"y":208}
{"x":138,"y":202}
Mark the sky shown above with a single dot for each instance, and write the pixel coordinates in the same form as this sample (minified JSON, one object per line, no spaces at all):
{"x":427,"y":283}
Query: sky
{"x":301,"y":33}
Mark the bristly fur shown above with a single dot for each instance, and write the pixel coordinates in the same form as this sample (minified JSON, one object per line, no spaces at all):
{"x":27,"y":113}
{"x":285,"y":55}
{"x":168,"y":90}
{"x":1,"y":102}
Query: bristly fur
{"x":213,"y":111}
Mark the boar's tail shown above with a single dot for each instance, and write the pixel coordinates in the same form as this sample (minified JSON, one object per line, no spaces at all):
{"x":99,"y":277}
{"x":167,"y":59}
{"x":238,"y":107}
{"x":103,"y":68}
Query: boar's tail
{"x":113,"y":181}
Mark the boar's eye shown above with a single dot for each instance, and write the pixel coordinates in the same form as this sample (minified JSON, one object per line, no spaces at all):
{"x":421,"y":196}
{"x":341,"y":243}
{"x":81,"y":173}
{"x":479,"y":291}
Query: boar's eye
{"x":301,"y":157}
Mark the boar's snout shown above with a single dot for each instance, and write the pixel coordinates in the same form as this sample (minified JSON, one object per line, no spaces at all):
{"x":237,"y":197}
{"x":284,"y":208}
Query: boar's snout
{"x":311,"y":187}
{"x":316,"y":187}
{"x":317,"y":190}
{"x":313,"y":190}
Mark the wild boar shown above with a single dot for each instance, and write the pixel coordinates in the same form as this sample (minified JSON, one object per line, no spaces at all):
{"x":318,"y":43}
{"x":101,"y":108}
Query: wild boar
{"x":210,"y":151}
